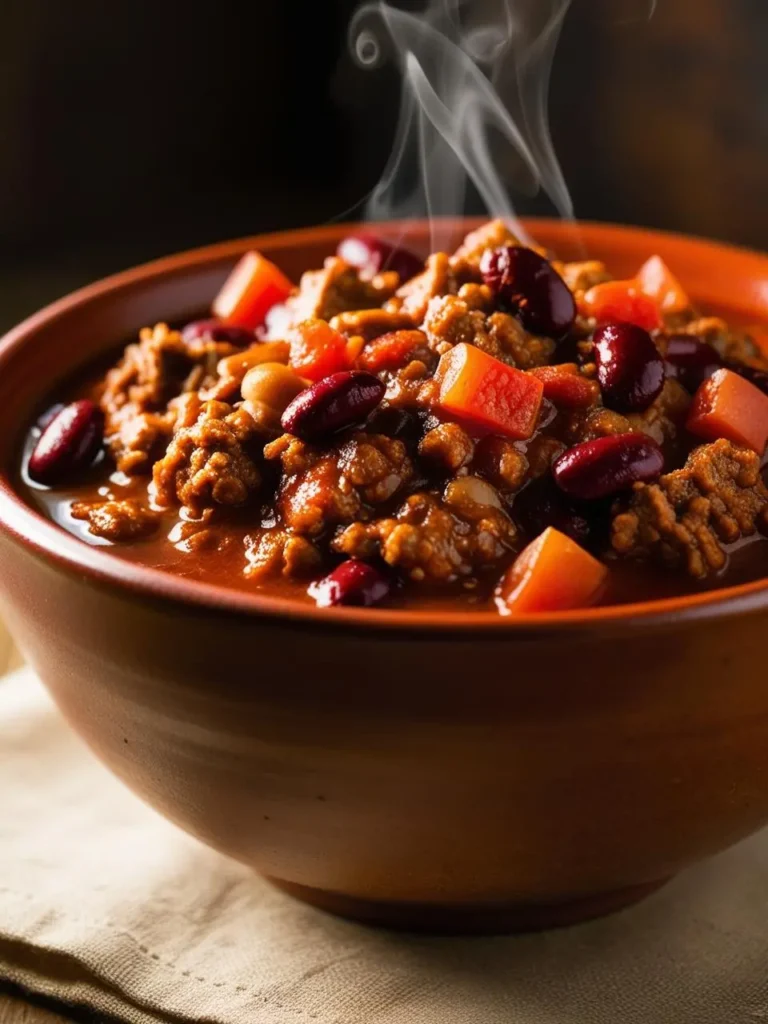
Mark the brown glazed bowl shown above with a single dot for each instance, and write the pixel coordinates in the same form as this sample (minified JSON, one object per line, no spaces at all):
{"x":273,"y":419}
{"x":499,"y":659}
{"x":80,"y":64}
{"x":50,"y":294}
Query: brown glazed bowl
{"x":440,"y":771}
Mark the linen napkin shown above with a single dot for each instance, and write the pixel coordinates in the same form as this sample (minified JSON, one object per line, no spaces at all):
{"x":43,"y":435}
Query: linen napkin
{"x":104,"y":904}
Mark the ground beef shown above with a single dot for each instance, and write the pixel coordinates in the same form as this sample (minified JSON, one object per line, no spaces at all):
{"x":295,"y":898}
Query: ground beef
{"x":160,"y":366}
{"x":499,"y":461}
{"x":274,"y":552}
{"x":662,"y":420}
{"x":426,"y":541}
{"x":325,"y":487}
{"x":208,"y":463}
{"x":465,"y":262}
{"x":732,"y":345}
{"x":450,"y":321}
{"x":371,"y":323}
{"x":447,"y":446}
{"x":437,"y":279}
{"x":117,"y":520}
{"x":323,"y":294}
{"x":580,"y":277}
{"x":687,"y":517}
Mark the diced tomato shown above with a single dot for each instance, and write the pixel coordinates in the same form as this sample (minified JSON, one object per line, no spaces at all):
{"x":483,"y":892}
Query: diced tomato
{"x":251,"y":290}
{"x":622,"y":301}
{"x":552,"y":574}
{"x":317,"y":350}
{"x":390,"y":351}
{"x":729,"y":406}
{"x":566,"y":387}
{"x":656,"y":280}
{"x":485,"y":393}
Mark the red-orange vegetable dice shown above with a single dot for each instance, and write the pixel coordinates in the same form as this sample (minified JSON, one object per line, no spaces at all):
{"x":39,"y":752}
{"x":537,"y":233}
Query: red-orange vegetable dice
{"x":484,"y":393}
{"x":251,"y":290}
{"x":390,"y":351}
{"x":552,"y":574}
{"x":729,"y":406}
{"x":317,"y":350}
{"x":657,"y":281}
{"x":566,"y":387}
{"x":621,"y":301}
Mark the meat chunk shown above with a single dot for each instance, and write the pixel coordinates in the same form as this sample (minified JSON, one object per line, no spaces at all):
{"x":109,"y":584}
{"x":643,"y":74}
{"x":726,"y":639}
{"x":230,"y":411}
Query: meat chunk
{"x":580,"y":277}
{"x":156,"y":369}
{"x":450,"y":321}
{"x":426,"y":541}
{"x":447,"y":446}
{"x":208,"y":463}
{"x":687,"y":517}
{"x":437,"y":279}
{"x":466,"y":260}
{"x":275,"y":552}
{"x":116,"y":520}
{"x":662,"y":420}
{"x":322,"y":488}
{"x":498,"y":460}
{"x":323,"y":294}
{"x":371,"y":323}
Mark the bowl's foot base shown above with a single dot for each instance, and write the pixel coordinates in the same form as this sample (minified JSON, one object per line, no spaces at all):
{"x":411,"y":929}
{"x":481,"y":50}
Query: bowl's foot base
{"x":468,"y":919}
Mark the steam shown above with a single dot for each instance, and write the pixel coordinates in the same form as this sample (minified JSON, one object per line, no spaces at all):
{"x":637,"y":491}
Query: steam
{"x":458,"y":58}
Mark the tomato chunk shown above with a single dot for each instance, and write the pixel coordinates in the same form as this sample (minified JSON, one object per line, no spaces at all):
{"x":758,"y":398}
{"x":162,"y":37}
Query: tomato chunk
{"x":390,"y":351}
{"x":566,"y":387}
{"x":552,"y":574}
{"x":251,"y":290}
{"x":485,"y":393}
{"x":317,"y":350}
{"x":729,"y":406}
{"x":657,"y":281}
{"x":622,"y":301}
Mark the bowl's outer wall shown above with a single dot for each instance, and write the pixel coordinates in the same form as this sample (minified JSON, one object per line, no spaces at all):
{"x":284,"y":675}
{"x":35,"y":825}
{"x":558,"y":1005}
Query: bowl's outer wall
{"x":390,"y":765}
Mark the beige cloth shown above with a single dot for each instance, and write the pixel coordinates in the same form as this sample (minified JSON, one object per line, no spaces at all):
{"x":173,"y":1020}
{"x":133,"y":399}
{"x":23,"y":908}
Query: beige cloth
{"x":103,"y":903}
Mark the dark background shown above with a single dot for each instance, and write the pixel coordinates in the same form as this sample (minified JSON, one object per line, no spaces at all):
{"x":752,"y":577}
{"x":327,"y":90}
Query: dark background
{"x":132,"y":128}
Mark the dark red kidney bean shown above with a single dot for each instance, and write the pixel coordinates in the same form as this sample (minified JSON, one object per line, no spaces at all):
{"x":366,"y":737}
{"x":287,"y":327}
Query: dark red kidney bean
{"x":351,"y":583}
{"x":531,"y":287}
{"x":215,"y":330}
{"x":332,"y":404}
{"x":630,"y":369}
{"x":49,"y":415}
{"x":690,"y":361}
{"x":372,"y":255}
{"x":607,"y":465}
{"x":542,"y":504}
{"x":757,"y":377}
{"x":69,"y":443}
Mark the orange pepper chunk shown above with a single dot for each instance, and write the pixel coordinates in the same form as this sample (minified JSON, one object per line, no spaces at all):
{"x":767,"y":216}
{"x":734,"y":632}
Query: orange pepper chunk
{"x":251,"y":290}
{"x":622,"y":301}
{"x":552,"y":574}
{"x":657,"y":281}
{"x":485,"y":393}
{"x":565,"y":386}
{"x":390,"y":351}
{"x":317,"y":350}
{"x":729,"y":406}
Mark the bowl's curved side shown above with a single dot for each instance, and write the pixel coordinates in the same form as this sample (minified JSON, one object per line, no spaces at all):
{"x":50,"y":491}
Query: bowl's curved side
{"x":387,"y":771}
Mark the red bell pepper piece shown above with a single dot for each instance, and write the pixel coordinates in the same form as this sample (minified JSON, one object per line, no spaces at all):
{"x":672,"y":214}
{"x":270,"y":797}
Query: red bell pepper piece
{"x":251,"y":290}
{"x":622,"y":301}
{"x":552,"y":574}
{"x":317,"y":350}
{"x":729,"y":406}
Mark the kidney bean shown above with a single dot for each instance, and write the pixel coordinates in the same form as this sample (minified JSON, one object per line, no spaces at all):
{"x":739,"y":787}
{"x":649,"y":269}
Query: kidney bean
{"x":630,"y":369}
{"x":530,"y":286}
{"x":217,"y":330}
{"x":757,"y":377}
{"x":542,"y":504}
{"x":69,"y":443}
{"x":333,"y":403}
{"x":372,"y":255}
{"x":690,"y":361}
{"x":49,"y":415}
{"x":607,"y":465}
{"x":351,"y":583}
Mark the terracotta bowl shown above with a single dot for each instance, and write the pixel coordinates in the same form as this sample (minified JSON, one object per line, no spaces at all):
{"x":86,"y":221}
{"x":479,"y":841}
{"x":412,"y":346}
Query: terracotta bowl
{"x":435,"y":771}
